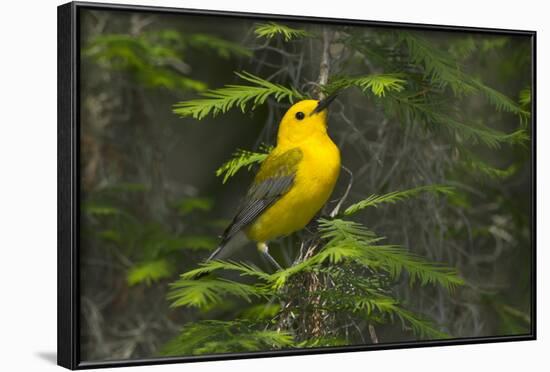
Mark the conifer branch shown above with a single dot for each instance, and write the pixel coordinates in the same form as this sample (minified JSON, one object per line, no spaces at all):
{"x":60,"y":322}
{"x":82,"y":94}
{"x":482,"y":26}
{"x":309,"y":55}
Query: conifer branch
{"x":525,"y":98}
{"x":149,"y":272}
{"x":245,"y":97}
{"x":473,"y":163}
{"x":442,"y":70}
{"x":215,"y":265}
{"x":242,"y":159}
{"x":146,"y":57}
{"x":377,"y":84}
{"x":396,"y":196}
{"x":350,"y":240}
{"x":470,"y":132}
{"x":202,"y":337}
{"x":272,"y":29}
{"x":208,"y":292}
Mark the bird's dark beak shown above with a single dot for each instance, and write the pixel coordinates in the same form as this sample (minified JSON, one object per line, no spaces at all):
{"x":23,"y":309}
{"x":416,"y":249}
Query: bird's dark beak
{"x":323,"y":104}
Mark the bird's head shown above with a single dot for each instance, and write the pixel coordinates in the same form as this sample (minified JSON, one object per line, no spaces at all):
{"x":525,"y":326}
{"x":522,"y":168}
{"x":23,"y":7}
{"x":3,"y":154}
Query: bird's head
{"x":304,"y":120}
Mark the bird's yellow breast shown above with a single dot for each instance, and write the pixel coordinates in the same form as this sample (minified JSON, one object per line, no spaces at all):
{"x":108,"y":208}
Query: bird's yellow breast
{"x":316,"y":176}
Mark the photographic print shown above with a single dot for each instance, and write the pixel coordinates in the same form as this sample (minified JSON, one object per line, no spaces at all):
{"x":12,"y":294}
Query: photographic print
{"x":271,"y":185}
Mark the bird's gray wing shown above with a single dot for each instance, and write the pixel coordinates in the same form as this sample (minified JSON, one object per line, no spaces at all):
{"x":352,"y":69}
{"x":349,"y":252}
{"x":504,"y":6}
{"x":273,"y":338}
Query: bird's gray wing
{"x":273,"y":180}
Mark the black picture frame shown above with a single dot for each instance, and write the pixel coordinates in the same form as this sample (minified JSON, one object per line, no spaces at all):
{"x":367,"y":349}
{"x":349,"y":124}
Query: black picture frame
{"x":68,"y":327}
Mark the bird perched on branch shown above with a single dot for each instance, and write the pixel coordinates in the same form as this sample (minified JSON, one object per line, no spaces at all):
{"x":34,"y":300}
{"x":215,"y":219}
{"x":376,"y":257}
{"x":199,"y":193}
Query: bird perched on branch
{"x":293,"y":183}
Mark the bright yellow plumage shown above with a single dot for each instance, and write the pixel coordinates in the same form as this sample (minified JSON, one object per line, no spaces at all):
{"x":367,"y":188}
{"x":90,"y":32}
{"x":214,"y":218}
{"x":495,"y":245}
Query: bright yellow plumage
{"x":316,"y":173}
{"x":293,"y":183}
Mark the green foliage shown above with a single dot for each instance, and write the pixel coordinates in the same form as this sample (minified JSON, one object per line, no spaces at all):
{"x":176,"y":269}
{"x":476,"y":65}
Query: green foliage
{"x":97,"y":209}
{"x":344,"y":244}
{"x":148,"y":59}
{"x":368,"y":303}
{"x":212,"y":266}
{"x":492,"y":172}
{"x":197,"y":242}
{"x":148,"y":249}
{"x":421,"y":99}
{"x":525,"y":99}
{"x":261,"y":311}
{"x":125,"y":188}
{"x":156,"y":58}
{"x":395,"y":196}
{"x":420,"y":326}
{"x":272,"y":29}
{"x":350,"y":240}
{"x":513,"y":320}
{"x":443,"y":71}
{"x":378,"y":84}
{"x":420,"y":109}
{"x":242,"y":159}
{"x":224,"y":337}
{"x":208,"y":292}
{"x":223,"y":48}
{"x":219,"y":101}
{"x":500,"y":101}
{"x":480,"y":134}
{"x":322,"y":342}
{"x":463,"y":48}
{"x":199,"y":42}
{"x":110,"y":235}
{"x":188,"y":205}
{"x":345,"y":249}
{"x":343,"y":275}
{"x":471,"y":162}
{"x":149,"y":272}
{"x":439,"y":68}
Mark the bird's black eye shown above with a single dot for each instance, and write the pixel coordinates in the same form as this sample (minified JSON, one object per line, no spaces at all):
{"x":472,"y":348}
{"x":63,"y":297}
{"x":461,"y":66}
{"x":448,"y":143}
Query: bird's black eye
{"x":300,"y":115}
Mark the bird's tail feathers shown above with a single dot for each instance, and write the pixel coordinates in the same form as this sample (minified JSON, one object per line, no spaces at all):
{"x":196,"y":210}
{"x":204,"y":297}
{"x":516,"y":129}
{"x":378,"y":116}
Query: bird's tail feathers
{"x":225,"y":249}
{"x":228,"y":247}
{"x":217,"y":251}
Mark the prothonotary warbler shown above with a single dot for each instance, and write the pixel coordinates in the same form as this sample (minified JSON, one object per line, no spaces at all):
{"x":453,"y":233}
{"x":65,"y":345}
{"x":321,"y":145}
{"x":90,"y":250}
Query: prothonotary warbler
{"x":293,"y":183}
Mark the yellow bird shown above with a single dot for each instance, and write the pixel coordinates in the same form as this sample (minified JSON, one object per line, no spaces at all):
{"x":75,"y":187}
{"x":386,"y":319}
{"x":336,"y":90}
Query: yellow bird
{"x":293,"y":183}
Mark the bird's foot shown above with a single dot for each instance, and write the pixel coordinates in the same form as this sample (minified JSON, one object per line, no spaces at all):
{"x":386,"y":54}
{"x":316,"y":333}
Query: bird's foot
{"x":264,"y":249}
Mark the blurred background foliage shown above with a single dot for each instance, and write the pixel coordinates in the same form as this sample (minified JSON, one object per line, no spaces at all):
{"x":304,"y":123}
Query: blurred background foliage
{"x":415,"y":108}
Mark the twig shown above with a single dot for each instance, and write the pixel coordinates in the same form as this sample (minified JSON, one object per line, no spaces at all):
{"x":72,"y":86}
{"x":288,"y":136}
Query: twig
{"x":336,"y":209}
{"x":372,"y":333}
{"x":324,"y":67}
